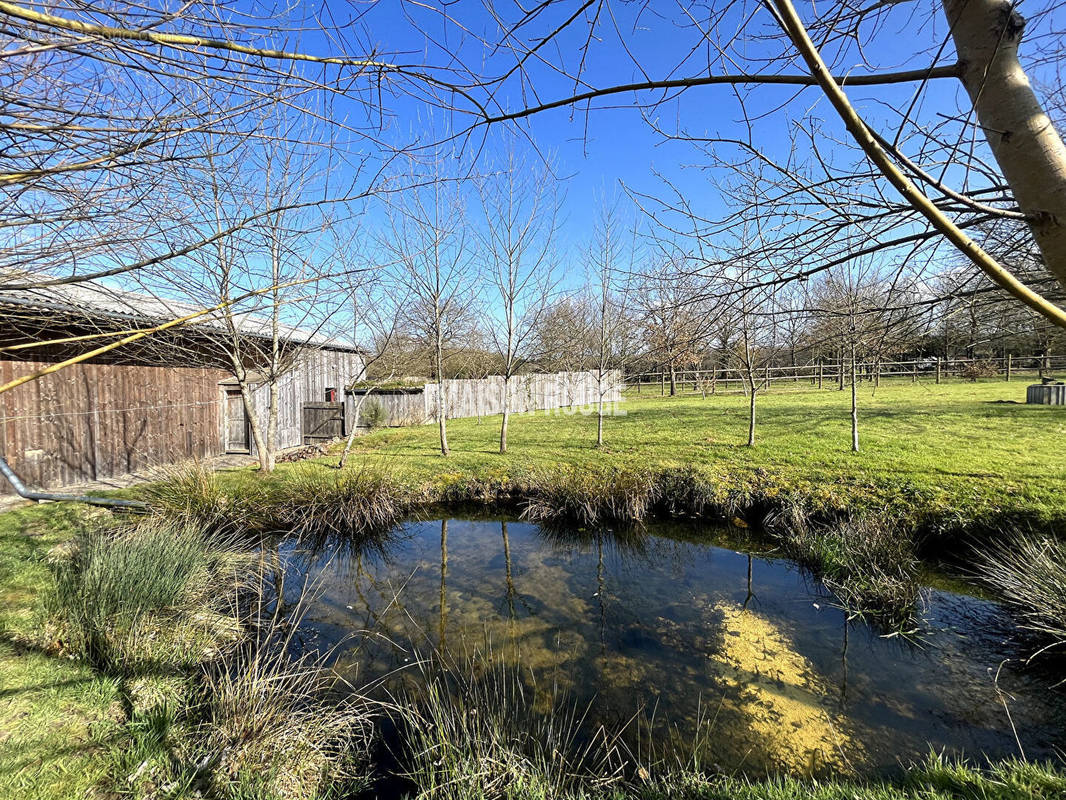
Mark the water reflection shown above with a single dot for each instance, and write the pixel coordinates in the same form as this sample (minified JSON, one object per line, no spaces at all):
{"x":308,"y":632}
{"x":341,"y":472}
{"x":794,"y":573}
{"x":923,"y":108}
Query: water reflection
{"x":689,"y":632}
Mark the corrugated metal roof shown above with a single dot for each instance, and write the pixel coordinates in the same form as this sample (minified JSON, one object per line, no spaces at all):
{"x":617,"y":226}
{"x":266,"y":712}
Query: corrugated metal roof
{"x":94,"y":300}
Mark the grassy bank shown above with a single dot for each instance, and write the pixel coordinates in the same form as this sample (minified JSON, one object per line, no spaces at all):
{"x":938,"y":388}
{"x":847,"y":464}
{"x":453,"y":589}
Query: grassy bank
{"x":119,"y":681}
{"x":936,"y":457}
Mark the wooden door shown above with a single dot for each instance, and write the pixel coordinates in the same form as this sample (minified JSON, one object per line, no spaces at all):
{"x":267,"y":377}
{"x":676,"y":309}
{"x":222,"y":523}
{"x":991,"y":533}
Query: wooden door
{"x":236,"y":424}
{"x":322,"y":422}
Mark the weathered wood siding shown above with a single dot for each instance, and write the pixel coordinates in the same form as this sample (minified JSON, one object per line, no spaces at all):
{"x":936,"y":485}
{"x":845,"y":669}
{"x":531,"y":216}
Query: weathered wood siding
{"x":484,"y":396}
{"x":312,"y":373}
{"x":93,"y":421}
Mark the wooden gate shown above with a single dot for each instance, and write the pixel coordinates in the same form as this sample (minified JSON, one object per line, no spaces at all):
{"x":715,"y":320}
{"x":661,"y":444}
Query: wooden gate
{"x":236,"y":423}
{"x":322,"y":422}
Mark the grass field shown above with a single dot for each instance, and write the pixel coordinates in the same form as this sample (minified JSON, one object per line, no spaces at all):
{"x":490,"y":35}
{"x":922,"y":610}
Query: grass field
{"x":958,"y":452}
{"x":58,"y":718}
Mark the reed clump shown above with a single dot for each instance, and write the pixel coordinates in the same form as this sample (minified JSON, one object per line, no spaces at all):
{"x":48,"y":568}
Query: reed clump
{"x":479,"y":731}
{"x":868,"y":562}
{"x":157,"y":592}
{"x":317,"y":501}
{"x":1029,"y":573}
{"x":194,"y":494}
{"x":592,"y":497}
{"x":274,"y":725}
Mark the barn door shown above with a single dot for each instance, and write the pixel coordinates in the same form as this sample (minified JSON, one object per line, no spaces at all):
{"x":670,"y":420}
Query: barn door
{"x":322,"y":422}
{"x":236,"y":423}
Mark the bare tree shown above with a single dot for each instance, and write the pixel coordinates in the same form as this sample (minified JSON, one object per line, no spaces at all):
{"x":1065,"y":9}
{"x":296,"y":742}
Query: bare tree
{"x":429,"y":244}
{"x":520,"y":210}
{"x":609,"y":298}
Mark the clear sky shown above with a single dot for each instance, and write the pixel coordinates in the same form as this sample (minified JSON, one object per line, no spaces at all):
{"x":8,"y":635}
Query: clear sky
{"x":601,"y":150}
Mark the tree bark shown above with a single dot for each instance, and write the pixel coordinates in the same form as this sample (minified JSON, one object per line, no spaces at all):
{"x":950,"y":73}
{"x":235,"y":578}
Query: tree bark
{"x":751,"y":417}
{"x":506,"y":413}
{"x":1023,"y":140}
{"x":442,"y":412}
{"x":854,"y":405}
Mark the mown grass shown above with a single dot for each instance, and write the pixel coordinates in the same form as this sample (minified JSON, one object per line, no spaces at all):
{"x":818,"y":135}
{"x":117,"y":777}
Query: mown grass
{"x":943,"y":457}
{"x":935,"y":459}
{"x":58,"y":717}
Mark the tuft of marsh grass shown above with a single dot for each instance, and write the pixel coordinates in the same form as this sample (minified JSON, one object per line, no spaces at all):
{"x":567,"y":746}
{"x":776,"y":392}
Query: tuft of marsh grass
{"x":868,"y":562}
{"x":317,"y":501}
{"x":271,"y":723}
{"x":194,"y":494}
{"x":479,"y":731}
{"x":1029,"y":573}
{"x":592,"y":496}
{"x":155,"y":592}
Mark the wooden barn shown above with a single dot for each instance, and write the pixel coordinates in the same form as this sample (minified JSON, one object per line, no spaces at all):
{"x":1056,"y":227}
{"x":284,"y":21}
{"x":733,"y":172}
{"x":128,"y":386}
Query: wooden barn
{"x":166,"y":398}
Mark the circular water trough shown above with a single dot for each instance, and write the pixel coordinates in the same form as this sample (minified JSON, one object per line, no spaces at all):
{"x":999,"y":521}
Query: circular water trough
{"x":1046,"y":394}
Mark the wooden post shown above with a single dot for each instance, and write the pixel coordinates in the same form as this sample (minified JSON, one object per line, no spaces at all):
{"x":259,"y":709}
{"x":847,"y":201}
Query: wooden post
{"x":638,"y":383}
{"x":820,"y":367}
{"x":1008,"y":367}
{"x":938,"y":368}
{"x":662,"y":383}
{"x":914,"y":373}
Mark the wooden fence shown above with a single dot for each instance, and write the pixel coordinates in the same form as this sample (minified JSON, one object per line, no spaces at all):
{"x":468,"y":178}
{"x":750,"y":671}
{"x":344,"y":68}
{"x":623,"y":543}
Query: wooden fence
{"x":825,"y":373}
{"x":479,"y":397}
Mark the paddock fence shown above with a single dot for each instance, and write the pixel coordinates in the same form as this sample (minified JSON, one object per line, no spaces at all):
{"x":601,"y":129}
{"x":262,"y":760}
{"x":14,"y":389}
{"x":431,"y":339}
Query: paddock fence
{"x":481,"y":397}
{"x":826,"y":373}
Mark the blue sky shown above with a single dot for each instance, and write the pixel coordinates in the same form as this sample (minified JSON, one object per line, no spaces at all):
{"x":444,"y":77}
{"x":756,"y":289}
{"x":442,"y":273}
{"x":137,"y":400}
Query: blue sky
{"x":609,"y":147}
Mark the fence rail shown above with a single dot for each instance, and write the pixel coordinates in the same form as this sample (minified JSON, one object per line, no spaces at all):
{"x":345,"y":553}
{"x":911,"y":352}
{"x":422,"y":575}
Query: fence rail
{"x":822,"y":373}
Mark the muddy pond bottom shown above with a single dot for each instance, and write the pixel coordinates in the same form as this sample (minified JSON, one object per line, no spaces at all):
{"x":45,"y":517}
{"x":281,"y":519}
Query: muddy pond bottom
{"x":743,"y":654}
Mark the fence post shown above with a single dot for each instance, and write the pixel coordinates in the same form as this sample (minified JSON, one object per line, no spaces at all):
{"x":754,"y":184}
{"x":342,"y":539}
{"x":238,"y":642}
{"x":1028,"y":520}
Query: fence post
{"x":1008,"y":367}
{"x":662,"y":383}
{"x":914,"y":373}
{"x":938,"y":369}
{"x":820,"y":367}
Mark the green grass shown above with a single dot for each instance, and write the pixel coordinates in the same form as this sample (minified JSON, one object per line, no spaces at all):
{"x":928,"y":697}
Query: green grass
{"x":58,"y":718}
{"x":934,"y":457}
{"x":952,"y":455}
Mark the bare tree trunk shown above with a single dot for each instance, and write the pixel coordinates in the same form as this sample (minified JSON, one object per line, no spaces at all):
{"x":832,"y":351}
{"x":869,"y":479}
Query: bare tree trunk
{"x":751,"y":416}
{"x":599,"y":411}
{"x":351,"y":434}
{"x":673,"y":380}
{"x":253,"y":420}
{"x":442,"y":412}
{"x":267,"y":456}
{"x":506,"y":412}
{"x":854,"y":405}
{"x":1023,"y":140}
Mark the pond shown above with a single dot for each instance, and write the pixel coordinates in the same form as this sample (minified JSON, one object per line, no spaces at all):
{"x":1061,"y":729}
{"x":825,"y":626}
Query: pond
{"x":686,"y":636}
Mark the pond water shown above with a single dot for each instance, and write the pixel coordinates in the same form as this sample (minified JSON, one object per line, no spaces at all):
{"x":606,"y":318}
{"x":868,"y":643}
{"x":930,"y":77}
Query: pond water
{"x":686,"y":634}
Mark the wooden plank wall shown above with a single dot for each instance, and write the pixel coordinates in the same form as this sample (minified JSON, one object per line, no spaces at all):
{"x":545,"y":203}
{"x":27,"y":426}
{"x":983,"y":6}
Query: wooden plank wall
{"x":94,"y":421}
{"x":484,"y":396}
{"x":312,"y":372}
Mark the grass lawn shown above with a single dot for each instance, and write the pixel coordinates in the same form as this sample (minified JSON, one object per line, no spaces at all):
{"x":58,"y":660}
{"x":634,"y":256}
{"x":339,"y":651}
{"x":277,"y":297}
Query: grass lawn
{"x":58,"y":719}
{"x":959,"y":451}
